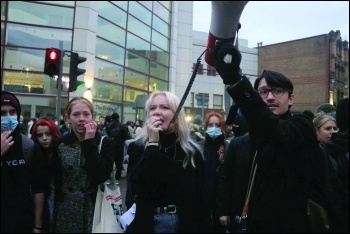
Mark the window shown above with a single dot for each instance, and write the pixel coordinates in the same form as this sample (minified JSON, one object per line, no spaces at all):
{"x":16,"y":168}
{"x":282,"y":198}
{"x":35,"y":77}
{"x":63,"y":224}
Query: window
{"x":217,"y":101}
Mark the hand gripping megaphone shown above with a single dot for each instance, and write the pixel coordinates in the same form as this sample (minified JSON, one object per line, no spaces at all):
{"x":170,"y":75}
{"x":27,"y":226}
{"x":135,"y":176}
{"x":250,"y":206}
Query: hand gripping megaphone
{"x":225,"y":17}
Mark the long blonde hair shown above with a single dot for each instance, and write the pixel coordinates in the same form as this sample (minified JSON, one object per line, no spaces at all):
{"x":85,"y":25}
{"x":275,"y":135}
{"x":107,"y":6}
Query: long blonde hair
{"x":187,"y":144}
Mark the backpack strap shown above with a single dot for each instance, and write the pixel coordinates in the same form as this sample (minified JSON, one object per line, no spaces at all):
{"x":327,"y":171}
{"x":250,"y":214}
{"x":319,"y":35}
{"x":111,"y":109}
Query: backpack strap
{"x":28,"y":147}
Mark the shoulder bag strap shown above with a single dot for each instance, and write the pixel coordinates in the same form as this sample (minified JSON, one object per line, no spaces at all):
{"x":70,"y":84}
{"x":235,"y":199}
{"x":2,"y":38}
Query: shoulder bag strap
{"x":249,"y":189}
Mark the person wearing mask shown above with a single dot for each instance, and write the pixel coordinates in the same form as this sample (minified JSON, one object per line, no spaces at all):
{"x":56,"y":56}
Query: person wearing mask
{"x":44,"y":132}
{"x":214,"y":147}
{"x":23,"y":173}
{"x":283,"y":148}
{"x":338,"y":147}
{"x":168,"y":180}
{"x":325,"y":125}
{"x":79,"y":167}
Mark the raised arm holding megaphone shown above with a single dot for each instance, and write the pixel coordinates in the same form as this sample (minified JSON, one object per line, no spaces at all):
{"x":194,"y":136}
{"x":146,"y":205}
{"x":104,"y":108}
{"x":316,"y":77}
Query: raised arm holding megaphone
{"x":221,"y":52}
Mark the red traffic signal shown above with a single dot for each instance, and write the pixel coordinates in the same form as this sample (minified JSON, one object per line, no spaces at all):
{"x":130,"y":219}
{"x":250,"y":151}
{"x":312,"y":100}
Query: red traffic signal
{"x":52,"y":61}
{"x":53,"y":54}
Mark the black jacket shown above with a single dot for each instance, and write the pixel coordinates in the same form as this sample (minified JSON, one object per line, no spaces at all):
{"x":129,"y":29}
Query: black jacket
{"x":232,"y":186}
{"x":338,"y":148}
{"x":160,"y":180}
{"x":20,"y":179}
{"x":286,"y":147}
{"x":78,"y":169}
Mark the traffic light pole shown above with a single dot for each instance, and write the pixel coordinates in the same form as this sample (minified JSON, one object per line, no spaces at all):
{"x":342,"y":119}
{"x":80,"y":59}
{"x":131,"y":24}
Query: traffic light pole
{"x":59,"y":89}
{"x":203,"y":117}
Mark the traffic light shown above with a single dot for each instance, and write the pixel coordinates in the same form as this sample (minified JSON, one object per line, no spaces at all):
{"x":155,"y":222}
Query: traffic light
{"x":74,"y":71}
{"x":52,"y":61}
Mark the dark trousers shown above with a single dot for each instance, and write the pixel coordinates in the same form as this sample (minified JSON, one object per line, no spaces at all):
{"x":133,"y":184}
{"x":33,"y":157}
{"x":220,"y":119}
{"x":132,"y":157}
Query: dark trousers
{"x":119,"y":162}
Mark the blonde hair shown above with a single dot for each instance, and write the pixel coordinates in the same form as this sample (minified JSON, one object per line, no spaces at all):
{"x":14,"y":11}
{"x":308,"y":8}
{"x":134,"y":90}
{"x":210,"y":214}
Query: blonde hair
{"x":187,"y":144}
{"x":322,"y":119}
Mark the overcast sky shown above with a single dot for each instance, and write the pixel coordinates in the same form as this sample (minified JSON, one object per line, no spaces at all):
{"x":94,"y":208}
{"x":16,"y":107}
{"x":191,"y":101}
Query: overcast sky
{"x":280,"y":21}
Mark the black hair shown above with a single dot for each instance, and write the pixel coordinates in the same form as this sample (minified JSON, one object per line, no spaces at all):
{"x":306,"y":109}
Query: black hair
{"x":275,"y":79}
{"x":309,"y":114}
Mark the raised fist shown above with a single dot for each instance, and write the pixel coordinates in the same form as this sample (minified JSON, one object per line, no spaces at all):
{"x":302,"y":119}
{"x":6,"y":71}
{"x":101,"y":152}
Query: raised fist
{"x":227,"y":59}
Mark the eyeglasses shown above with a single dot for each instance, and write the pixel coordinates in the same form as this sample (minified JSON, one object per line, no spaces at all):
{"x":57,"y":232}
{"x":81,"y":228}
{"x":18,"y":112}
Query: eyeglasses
{"x":276,"y":92}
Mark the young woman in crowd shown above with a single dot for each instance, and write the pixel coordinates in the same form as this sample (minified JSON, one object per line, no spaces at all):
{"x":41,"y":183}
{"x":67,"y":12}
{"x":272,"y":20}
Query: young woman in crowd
{"x":214,"y":147}
{"x":44,"y":132}
{"x":168,"y":180}
{"x":325,"y":125}
{"x":79,"y":167}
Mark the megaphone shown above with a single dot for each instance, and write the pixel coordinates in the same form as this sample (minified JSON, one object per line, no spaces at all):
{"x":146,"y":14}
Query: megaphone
{"x":225,"y":17}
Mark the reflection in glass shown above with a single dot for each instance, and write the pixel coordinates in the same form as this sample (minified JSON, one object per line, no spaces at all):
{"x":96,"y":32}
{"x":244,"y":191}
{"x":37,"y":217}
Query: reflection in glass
{"x":107,"y":91}
{"x":160,"y":41}
{"x":137,"y":62}
{"x":155,"y":85}
{"x":109,"y":51}
{"x":40,"y":14}
{"x":140,"y":12}
{"x":28,"y":59}
{"x":38,"y":37}
{"x":130,"y":95}
{"x":121,"y":4}
{"x":161,"y":11}
{"x":112,"y":13}
{"x":105,"y":109}
{"x":161,"y":26}
{"x":147,"y":4}
{"x":160,"y":56}
{"x":28,"y":82}
{"x":159,"y":71}
{"x":135,"y":79}
{"x":108,"y":71}
{"x":166,"y":4}
{"x":138,"y":28}
{"x":110,"y":32}
{"x":138,"y":45}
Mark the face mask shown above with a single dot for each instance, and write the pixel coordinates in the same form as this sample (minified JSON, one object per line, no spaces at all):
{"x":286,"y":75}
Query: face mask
{"x":8,"y":123}
{"x":214,"y":132}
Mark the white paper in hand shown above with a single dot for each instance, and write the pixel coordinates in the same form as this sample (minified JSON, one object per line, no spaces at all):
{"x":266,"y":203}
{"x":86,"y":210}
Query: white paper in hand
{"x":128,"y":217}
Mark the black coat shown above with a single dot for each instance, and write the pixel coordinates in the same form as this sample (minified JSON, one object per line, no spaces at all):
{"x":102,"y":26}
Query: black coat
{"x":286,"y":148}
{"x":160,"y":180}
{"x":338,"y":148}
{"x":232,"y":186}
{"x":78,"y":169}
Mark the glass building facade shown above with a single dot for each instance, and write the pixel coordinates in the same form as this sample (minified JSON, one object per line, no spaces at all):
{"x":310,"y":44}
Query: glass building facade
{"x":126,"y":43}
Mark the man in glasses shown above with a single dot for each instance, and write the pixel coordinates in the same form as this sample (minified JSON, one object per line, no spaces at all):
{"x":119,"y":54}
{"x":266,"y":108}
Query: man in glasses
{"x":282,"y":154}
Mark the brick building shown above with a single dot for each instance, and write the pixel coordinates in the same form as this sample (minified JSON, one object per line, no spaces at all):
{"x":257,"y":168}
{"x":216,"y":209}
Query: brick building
{"x":318,"y":67}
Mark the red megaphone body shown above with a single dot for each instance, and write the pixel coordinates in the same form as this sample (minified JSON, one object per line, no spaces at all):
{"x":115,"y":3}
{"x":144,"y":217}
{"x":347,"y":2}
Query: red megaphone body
{"x":225,"y":17}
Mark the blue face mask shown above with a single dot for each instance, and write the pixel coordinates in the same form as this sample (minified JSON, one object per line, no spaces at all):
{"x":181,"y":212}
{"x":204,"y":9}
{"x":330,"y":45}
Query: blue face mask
{"x":8,"y":123}
{"x":214,"y":132}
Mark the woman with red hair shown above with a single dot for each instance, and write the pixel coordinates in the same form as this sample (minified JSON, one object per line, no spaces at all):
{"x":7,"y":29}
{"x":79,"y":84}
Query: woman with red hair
{"x":44,"y":132}
{"x":214,"y":148}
